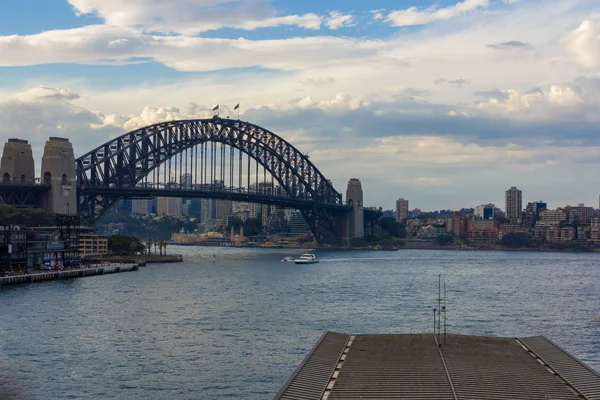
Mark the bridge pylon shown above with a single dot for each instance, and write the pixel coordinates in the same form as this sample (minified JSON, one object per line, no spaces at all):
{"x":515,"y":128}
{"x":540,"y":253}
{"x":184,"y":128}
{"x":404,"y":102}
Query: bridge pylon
{"x":354,"y":225}
{"x":58,"y":170}
{"x":17,"y":165}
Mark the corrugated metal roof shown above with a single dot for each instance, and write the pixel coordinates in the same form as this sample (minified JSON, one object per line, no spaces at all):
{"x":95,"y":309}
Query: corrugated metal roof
{"x":584,"y":379}
{"x":412,"y":367}
{"x":310,"y":379}
{"x":482,"y":367}
{"x":392,"y":366}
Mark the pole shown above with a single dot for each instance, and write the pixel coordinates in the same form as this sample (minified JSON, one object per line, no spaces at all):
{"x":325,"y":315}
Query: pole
{"x":434,"y":310}
{"x":445,"y":318}
{"x":439,"y":305}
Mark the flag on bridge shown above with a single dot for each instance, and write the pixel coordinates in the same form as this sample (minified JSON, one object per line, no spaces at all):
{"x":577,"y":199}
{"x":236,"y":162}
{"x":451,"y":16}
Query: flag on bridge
{"x":215,"y":107}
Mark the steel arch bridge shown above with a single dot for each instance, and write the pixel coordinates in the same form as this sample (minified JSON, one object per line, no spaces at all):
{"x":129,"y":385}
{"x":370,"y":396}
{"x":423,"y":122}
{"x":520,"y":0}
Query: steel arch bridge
{"x":208,"y":158}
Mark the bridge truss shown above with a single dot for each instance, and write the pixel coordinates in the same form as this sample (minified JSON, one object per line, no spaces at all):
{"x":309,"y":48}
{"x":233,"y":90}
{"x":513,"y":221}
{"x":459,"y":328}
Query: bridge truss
{"x":208,"y":158}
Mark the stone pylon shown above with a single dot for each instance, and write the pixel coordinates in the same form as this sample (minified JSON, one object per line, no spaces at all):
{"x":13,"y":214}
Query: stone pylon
{"x":355,"y":225}
{"x":58,"y":170}
{"x":17,"y":165}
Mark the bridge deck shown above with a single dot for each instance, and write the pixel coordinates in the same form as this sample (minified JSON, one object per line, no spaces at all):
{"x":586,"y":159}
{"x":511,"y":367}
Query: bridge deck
{"x":466,"y":367}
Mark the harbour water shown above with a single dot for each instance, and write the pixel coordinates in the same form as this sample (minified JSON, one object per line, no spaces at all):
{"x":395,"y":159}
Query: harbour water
{"x":234,"y":323}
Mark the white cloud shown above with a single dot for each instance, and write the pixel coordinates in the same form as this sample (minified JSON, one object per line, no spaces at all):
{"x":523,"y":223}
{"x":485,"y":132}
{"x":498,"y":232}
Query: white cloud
{"x":192,"y":17}
{"x":41,"y":112}
{"x":377,"y":14}
{"x":101,"y":44}
{"x":584,"y":42}
{"x":560,"y":101}
{"x":414,"y":16}
{"x":338,"y":20}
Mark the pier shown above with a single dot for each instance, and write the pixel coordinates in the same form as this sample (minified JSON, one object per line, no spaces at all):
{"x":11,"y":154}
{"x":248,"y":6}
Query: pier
{"x":69,"y":274}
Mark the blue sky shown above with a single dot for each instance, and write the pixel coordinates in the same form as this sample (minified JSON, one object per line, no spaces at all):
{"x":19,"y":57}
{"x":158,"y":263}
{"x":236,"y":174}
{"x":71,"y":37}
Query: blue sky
{"x":447,"y":103}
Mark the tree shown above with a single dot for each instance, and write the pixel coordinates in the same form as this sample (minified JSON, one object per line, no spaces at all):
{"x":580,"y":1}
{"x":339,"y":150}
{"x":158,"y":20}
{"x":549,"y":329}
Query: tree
{"x":149,"y":244}
{"x":235,"y":223}
{"x":444,"y":240}
{"x":514,"y":240}
{"x":253,"y":227}
{"x":393,"y":227}
{"x":125,"y":245}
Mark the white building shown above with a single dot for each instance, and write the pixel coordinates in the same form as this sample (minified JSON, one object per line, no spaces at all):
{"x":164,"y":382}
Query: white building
{"x":431,"y":231}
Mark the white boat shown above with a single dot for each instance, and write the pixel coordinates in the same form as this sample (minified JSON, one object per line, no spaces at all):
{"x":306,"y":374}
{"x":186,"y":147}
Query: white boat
{"x":306,"y":259}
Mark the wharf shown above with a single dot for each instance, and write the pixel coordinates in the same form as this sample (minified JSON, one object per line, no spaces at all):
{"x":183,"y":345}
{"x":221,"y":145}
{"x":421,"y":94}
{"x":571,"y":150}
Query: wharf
{"x":68,"y":274}
{"x":342,"y":366}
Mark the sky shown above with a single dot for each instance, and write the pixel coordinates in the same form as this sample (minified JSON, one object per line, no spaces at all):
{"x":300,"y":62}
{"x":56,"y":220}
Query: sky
{"x":446,"y":103}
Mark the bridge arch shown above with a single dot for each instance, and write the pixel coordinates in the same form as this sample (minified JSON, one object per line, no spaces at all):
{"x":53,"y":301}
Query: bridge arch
{"x":120,"y":168}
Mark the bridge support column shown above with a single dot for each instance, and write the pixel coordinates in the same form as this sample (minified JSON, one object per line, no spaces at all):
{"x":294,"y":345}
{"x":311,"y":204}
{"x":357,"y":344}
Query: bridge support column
{"x":17,"y":164}
{"x":355,"y":221}
{"x":58,"y":170}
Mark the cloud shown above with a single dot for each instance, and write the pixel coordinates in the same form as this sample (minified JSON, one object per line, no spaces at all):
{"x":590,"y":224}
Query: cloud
{"x":41,"y":112}
{"x":510,"y":45}
{"x":338,"y":20}
{"x":377,"y":14}
{"x":423,"y":180}
{"x":452,"y":82}
{"x":578,"y":100}
{"x":414,"y":16}
{"x":584,"y":42}
{"x":101,"y":44}
{"x":192,"y":17}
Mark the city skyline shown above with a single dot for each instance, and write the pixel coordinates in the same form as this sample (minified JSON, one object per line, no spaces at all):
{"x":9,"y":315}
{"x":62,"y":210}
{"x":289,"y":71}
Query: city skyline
{"x":439,"y":102}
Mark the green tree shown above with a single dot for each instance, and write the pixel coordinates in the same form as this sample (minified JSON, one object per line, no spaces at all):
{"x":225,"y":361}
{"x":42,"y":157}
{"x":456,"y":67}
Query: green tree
{"x":253,"y":227}
{"x":514,"y":240}
{"x":393,"y":227}
{"x":125,"y":245}
{"x":444,"y":240}
{"x":235,"y":223}
{"x":149,"y":244}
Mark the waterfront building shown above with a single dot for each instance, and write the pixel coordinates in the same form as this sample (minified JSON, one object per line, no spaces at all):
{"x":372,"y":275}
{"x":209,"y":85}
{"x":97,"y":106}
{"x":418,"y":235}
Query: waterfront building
{"x":456,"y":224}
{"x":583,"y":233}
{"x":431,"y":231}
{"x":552,"y":217}
{"x":92,"y":244}
{"x":556,"y":234}
{"x":505,"y":229}
{"x":482,"y":236}
{"x":538,"y":232}
{"x":595,"y":230}
{"x":514,"y":204}
{"x":580,"y":213}
{"x":401,"y":210}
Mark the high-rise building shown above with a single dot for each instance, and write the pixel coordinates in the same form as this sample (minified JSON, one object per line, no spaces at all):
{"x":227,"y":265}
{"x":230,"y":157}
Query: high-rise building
{"x":401,"y":210}
{"x":171,"y":206}
{"x":485,"y":211}
{"x":141,"y":206}
{"x":514,"y":204}
{"x":580,"y":213}
{"x":532,"y":213}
